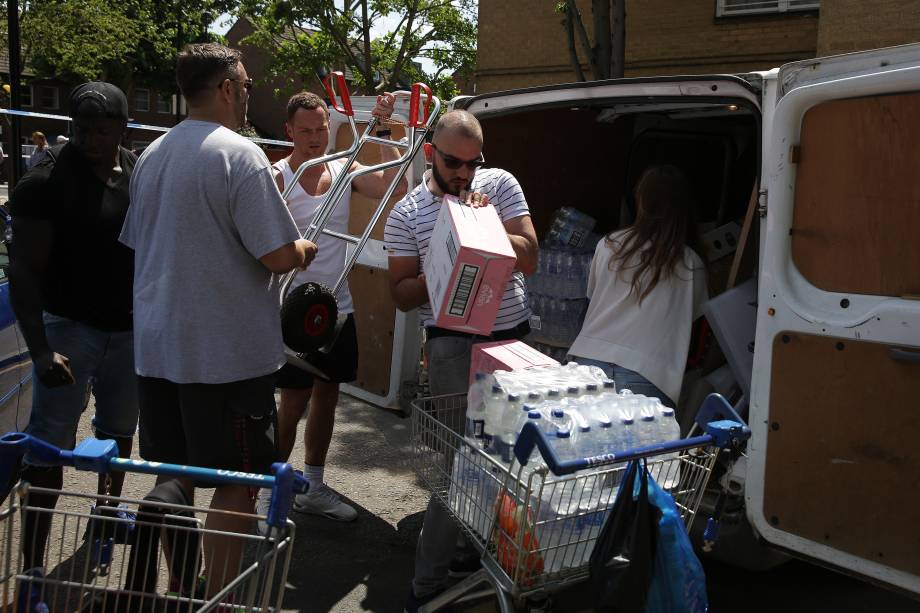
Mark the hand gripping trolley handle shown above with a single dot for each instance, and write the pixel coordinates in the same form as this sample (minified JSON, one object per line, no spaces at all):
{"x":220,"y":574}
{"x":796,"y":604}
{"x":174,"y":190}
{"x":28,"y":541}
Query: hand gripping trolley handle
{"x":309,"y":314}
{"x":535,"y":523}
{"x":113,"y":560}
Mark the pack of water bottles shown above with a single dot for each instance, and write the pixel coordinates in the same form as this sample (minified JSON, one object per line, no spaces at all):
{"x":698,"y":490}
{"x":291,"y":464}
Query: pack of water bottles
{"x":583,"y":415}
{"x":570,"y":227}
{"x":562,"y":272}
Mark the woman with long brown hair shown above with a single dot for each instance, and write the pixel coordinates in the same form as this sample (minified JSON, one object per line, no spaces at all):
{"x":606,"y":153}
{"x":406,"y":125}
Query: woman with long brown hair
{"x":646,"y":286}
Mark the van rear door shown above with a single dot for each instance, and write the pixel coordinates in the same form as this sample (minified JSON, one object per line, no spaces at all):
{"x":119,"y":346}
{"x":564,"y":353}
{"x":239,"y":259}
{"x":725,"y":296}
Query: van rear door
{"x":834,"y":462}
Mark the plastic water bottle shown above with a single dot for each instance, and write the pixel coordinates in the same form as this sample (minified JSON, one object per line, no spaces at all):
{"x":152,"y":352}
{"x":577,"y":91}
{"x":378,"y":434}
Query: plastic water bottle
{"x":669,"y":430}
{"x":493,"y":417}
{"x":476,"y":409}
{"x":564,"y":445}
{"x":559,"y":420}
{"x":507,"y":434}
{"x":647,"y":428}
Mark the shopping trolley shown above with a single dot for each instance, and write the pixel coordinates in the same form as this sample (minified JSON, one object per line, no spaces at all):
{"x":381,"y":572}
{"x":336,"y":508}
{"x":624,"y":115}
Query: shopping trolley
{"x":535,"y":522}
{"x":146,"y":555}
{"x":309,"y":314}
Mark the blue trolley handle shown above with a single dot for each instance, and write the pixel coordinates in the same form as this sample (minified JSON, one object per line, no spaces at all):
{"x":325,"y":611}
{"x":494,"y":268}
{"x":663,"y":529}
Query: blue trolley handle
{"x":101,"y":456}
{"x":722,"y":432}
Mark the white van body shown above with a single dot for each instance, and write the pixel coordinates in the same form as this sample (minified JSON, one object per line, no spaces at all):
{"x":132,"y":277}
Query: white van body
{"x":840,"y":488}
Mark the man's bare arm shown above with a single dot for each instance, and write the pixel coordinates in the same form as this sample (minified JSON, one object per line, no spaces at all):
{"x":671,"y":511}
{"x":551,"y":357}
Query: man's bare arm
{"x":407,"y":286}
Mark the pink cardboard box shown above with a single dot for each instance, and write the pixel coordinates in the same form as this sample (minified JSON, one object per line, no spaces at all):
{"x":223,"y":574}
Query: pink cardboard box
{"x":467,"y":268}
{"x":506,"y":355}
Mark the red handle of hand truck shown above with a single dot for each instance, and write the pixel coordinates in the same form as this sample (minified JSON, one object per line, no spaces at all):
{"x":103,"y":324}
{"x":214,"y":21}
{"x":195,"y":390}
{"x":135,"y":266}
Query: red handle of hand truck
{"x":345,"y":109}
{"x":415,"y":100}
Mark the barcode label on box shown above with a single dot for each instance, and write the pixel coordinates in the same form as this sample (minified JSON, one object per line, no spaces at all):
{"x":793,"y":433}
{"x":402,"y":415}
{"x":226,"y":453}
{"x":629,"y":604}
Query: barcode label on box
{"x":460,"y":300}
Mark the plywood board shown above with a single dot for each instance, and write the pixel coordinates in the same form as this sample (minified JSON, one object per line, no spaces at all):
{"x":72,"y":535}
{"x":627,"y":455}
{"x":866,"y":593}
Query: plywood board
{"x":857,"y":196}
{"x":843,"y":459}
{"x":374,"y":309}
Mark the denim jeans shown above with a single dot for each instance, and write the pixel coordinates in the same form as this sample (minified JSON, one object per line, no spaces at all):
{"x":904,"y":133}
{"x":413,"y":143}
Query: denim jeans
{"x":102,"y":362}
{"x":448,"y":373}
{"x":628,"y":379}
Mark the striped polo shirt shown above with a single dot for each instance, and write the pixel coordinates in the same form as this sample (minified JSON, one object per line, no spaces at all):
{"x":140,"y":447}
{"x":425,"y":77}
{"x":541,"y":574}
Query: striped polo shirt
{"x":411,"y":222}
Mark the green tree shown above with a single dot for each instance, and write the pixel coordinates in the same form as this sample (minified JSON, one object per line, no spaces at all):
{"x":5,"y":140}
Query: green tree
{"x":310,"y":37}
{"x":79,"y":40}
{"x":606,"y":53}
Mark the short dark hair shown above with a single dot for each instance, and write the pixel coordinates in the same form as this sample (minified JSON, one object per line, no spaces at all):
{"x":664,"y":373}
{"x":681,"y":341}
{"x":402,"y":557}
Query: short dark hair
{"x":305,"y":100}
{"x":199,"y":66}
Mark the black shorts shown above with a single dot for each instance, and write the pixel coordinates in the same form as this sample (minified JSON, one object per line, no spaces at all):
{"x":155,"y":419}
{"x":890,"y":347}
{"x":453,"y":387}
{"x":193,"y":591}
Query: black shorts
{"x":340,"y":364}
{"x":228,"y":426}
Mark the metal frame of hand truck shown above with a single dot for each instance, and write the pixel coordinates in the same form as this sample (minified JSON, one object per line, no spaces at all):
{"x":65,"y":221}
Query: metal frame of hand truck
{"x":417,"y":129}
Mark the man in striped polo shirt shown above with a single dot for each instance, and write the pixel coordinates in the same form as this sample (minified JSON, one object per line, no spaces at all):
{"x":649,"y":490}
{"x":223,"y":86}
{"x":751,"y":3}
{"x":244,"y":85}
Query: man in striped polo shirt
{"x":455,"y":157}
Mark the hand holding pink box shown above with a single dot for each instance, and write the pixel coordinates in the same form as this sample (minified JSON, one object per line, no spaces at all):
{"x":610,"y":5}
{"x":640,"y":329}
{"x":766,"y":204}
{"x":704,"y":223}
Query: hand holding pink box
{"x":505,"y":355}
{"x":468,"y":265}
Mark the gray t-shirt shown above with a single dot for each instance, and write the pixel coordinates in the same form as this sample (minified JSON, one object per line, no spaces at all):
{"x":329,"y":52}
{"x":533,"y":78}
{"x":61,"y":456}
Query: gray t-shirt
{"x":204,"y":209}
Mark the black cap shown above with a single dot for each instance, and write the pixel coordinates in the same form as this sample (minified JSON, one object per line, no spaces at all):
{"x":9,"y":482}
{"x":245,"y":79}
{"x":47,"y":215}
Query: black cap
{"x":98,"y":99}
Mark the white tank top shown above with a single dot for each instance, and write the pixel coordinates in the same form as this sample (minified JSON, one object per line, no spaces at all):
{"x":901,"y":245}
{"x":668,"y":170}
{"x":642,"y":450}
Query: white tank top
{"x":330,"y":258}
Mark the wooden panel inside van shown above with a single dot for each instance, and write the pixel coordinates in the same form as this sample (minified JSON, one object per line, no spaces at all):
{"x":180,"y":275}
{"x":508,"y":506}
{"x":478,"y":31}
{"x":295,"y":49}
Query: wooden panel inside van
{"x":370,"y":290}
{"x":857,"y":196}
{"x":843,"y":463}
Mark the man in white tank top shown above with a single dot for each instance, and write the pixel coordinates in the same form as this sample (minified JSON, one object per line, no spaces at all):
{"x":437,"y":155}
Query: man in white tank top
{"x":308,"y":127}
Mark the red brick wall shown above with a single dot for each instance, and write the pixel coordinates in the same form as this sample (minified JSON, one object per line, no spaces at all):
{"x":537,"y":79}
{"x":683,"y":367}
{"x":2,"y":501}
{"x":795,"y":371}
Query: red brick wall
{"x":522,"y":43}
{"x":851,"y":25}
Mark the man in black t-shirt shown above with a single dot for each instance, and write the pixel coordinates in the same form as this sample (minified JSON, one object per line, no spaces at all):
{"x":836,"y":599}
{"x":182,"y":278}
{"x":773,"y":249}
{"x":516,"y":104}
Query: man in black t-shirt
{"x":71,"y":288}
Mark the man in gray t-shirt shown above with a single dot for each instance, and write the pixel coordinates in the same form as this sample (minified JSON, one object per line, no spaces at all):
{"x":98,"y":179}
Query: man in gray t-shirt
{"x":209,"y":229}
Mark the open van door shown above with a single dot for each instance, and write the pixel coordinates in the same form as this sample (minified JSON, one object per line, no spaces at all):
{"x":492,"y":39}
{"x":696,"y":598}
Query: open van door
{"x":834,"y":462}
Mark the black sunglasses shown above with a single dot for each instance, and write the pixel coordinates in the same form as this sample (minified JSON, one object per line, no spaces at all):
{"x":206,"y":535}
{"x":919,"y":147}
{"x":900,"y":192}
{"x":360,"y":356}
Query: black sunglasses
{"x":247,"y":83}
{"x":453,"y":163}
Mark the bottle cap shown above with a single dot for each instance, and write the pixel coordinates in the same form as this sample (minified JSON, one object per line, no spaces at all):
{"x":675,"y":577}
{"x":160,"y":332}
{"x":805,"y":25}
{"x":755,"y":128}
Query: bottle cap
{"x":667,"y":412}
{"x":609,"y":384}
{"x":591,"y":387}
{"x":529,"y":407}
{"x":558,"y":413}
{"x":496,"y":388}
{"x":563,"y":434}
{"x":534,"y":415}
{"x":648,"y":418}
{"x":514,"y":398}
{"x":533,"y":396}
{"x":552,"y":393}
{"x":584,"y":428}
{"x":606,"y":423}
{"x":627,"y":421}
{"x":480,"y":376}
{"x":573,"y":390}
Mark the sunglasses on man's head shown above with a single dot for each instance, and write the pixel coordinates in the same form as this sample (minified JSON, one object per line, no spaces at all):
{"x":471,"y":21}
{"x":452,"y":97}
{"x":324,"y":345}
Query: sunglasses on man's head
{"x":454,"y":163}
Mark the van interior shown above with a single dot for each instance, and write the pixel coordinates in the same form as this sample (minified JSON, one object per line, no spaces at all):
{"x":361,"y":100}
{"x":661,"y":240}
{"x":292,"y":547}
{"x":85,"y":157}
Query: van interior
{"x":590,"y":157}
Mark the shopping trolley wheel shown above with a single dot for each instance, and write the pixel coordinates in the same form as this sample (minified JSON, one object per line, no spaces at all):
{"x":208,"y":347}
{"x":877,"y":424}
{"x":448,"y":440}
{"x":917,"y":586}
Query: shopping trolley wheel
{"x":308,"y":317}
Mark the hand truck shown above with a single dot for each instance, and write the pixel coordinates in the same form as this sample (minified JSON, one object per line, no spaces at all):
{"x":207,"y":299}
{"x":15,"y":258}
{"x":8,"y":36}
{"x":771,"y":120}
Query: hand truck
{"x":309,"y":313}
{"x":107,"y":562}
{"x":535,"y":523}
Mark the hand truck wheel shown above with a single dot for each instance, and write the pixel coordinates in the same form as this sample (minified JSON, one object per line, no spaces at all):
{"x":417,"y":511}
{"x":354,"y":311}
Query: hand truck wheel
{"x":308,"y":317}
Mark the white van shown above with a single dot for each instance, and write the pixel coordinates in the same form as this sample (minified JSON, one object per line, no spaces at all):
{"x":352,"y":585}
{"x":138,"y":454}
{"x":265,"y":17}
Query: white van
{"x":830,"y":150}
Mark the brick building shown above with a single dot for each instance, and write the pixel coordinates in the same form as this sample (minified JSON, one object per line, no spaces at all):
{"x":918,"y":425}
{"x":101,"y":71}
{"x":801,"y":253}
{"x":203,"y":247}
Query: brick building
{"x":667,"y":37}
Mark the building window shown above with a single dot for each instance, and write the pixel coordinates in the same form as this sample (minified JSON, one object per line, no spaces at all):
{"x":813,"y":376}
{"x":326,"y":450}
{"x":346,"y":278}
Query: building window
{"x":727,"y":8}
{"x":141,"y":99}
{"x":165,"y":103}
{"x":48,"y":96}
{"x":25,"y":94}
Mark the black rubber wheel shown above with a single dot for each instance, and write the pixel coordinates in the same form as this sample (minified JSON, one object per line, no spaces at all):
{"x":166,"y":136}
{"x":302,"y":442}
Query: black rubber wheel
{"x":308,"y":316}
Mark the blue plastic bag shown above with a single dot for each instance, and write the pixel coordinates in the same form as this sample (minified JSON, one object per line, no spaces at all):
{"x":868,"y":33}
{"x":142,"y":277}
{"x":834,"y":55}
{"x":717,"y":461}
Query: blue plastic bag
{"x":678,"y":583}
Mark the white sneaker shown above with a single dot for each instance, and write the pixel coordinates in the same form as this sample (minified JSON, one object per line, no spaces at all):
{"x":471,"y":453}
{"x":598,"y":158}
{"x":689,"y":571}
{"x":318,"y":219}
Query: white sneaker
{"x":322,"y":500}
{"x":263,"y":500}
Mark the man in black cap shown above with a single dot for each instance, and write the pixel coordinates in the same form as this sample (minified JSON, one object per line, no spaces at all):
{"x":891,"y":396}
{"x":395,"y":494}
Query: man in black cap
{"x":71,"y":288}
